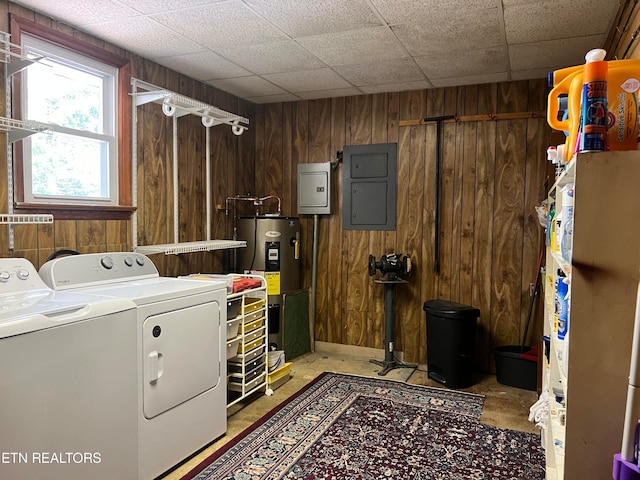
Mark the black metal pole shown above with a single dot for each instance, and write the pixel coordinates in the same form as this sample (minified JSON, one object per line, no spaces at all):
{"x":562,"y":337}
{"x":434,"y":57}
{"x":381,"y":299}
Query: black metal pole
{"x":436,"y":237}
{"x":389,"y":321}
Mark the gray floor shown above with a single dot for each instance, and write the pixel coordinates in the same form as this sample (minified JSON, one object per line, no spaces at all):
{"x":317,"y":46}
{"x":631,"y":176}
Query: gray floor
{"x":504,"y":406}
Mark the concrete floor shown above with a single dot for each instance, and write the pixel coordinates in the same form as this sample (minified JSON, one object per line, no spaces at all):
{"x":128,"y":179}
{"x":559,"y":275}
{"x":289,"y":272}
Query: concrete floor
{"x":504,"y":406}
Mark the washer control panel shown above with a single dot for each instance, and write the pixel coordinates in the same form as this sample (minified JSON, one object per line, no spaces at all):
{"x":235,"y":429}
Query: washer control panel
{"x":19,"y":275}
{"x":96,"y":268}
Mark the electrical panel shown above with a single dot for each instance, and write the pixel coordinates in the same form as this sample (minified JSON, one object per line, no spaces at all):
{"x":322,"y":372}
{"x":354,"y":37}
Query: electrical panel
{"x":314,"y":188}
{"x":369,"y":184}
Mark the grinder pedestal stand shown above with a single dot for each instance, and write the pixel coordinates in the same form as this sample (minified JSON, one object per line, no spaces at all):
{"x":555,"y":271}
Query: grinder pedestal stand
{"x":389,"y":363}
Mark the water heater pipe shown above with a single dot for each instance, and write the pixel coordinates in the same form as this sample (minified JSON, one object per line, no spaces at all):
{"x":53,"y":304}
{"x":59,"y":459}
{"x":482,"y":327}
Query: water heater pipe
{"x":208,"y":177}
{"x":257,"y":202}
{"x":314,"y":284}
{"x":176,"y":194}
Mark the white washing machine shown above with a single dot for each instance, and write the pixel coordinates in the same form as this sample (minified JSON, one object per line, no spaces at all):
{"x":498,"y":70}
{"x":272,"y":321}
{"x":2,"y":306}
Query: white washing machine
{"x":181,"y":341}
{"x":67,"y":381}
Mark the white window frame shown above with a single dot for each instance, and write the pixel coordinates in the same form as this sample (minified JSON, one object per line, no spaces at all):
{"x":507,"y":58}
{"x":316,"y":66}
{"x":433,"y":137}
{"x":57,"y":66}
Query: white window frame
{"x":109,"y":74}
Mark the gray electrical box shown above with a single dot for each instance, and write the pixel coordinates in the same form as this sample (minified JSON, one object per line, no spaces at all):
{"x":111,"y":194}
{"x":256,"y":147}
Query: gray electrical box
{"x":314,"y":188}
{"x":369,"y":183}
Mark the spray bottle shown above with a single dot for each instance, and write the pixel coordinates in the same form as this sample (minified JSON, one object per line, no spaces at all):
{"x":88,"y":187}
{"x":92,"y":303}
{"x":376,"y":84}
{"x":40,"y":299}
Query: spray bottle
{"x":593,"y":124}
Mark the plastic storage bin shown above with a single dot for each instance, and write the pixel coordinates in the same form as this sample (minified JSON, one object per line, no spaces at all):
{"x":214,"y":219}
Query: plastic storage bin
{"x":517,"y":366}
{"x":233,"y":306}
{"x":232,"y":328}
{"x":451,"y":336}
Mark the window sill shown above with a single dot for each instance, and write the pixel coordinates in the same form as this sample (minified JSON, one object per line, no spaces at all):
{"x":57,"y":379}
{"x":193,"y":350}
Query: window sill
{"x":78,"y":212}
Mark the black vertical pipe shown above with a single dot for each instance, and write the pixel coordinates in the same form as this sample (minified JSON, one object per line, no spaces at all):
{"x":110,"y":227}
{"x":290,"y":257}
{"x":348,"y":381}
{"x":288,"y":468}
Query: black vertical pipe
{"x":436,"y":239}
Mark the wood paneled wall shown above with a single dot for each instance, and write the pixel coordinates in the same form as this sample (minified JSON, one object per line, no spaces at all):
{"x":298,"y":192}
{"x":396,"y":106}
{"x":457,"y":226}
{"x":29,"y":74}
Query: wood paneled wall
{"x":231,"y":166}
{"x":623,"y":41}
{"x":493,"y":174}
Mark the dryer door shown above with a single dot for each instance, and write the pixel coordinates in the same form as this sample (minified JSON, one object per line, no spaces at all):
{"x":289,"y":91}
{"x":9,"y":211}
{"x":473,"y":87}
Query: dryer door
{"x":181,"y":356}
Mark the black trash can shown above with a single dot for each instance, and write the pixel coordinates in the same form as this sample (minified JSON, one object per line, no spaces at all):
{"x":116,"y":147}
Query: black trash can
{"x":451,"y":336}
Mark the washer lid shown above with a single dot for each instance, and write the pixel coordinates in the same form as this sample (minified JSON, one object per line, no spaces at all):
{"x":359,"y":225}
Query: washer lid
{"x":39,"y":309}
{"x":151,"y":290}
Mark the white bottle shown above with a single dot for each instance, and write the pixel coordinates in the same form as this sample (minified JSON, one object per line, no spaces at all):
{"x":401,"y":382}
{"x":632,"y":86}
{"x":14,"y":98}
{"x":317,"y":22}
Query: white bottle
{"x":566,"y":234}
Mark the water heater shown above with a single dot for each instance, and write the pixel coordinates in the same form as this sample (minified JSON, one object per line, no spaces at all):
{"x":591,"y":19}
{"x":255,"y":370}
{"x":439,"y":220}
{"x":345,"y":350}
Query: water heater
{"x":273,"y":247}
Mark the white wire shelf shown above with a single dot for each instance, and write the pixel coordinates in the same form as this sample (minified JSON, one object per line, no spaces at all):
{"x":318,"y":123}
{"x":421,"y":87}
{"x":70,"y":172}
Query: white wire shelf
{"x":189,"y":247}
{"x":23,"y":219}
{"x":175,"y":104}
{"x":19,"y":129}
{"x":15,"y":56}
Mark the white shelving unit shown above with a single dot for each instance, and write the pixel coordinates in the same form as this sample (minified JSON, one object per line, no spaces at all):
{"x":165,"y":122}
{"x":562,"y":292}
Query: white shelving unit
{"x":189,"y":247}
{"x":586,"y":375}
{"x":16,"y":59}
{"x":247,"y":366}
{"x":175,"y":105}
{"x":24,"y":219}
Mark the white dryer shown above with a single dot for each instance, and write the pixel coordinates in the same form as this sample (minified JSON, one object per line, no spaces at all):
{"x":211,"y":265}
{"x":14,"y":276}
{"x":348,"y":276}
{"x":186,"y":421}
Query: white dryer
{"x":181,"y":349}
{"x":67,"y":381}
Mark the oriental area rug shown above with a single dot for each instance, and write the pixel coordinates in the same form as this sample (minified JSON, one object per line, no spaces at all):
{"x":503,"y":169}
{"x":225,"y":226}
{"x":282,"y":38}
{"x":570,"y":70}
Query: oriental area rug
{"x":349,"y":427}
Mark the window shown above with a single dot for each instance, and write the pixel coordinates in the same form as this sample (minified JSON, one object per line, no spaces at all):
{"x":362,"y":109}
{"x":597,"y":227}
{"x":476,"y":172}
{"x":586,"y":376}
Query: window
{"x":81,"y":91}
{"x":77,"y":163}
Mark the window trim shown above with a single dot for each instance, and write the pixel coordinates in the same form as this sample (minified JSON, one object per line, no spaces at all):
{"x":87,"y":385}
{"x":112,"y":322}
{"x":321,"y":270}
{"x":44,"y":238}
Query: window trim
{"x":19,"y":25}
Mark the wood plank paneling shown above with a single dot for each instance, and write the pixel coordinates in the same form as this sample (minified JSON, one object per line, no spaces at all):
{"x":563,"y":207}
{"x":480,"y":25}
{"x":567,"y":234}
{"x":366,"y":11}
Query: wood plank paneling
{"x":357,"y":253}
{"x":456,"y":177}
{"x":483,"y":224}
{"x":485,"y":231}
{"x":273,"y":154}
{"x":376,"y":318}
{"x":468,"y":190}
{"x":319,"y":152}
{"x":333,"y":326}
{"x":408,"y":317}
{"x":407,"y":110}
{"x":506,"y":306}
{"x":447,"y":169}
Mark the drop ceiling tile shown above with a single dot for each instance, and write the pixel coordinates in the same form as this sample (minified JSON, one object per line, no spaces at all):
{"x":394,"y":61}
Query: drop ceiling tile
{"x":471,"y":80}
{"x":332,"y":93}
{"x":81,"y":12}
{"x":464,"y":63}
{"x":562,"y":18}
{"x":276,"y":57}
{"x":143,"y":36}
{"x":148,"y":7}
{"x":245,"y":87}
{"x":452,"y":32}
{"x":396,"y":87}
{"x":308,"y":80}
{"x":398,"y":70}
{"x":356,"y":46}
{"x":304,"y":18}
{"x":223,"y":24}
{"x":552,"y":53}
{"x":285,"y":97}
{"x":203,"y":66}
{"x":421,"y":12}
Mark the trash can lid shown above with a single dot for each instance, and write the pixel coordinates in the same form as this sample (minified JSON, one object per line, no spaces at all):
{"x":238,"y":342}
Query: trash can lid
{"x":448,"y":309}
